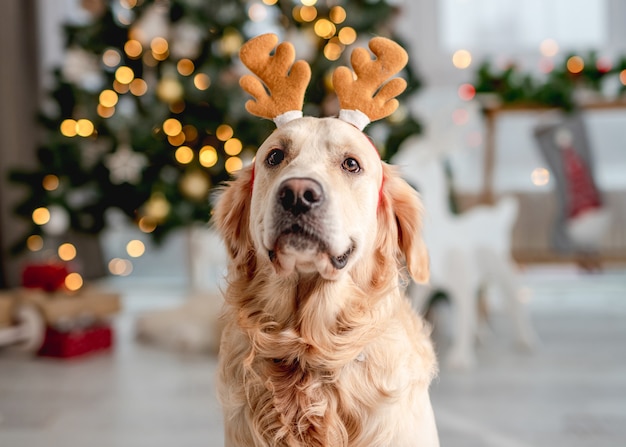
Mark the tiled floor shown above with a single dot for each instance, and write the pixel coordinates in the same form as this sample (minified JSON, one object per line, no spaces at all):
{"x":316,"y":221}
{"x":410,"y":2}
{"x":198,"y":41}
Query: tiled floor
{"x":571,"y":392}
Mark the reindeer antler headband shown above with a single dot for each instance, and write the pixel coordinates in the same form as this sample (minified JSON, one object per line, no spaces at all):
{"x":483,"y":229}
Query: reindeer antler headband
{"x":364,"y":96}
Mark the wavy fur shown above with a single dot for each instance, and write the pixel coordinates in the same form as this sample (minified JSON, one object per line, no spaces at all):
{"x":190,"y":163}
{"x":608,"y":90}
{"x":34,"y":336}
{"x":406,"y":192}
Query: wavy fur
{"x":306,"y":361}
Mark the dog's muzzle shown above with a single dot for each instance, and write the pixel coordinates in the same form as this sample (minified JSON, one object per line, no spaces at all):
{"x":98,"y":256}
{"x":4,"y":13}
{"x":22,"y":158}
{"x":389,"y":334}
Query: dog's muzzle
{"x":299,"y":210}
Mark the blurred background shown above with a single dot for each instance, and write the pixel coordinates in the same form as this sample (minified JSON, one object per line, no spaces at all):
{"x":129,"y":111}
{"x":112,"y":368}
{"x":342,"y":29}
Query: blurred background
{"x":118,"y":118}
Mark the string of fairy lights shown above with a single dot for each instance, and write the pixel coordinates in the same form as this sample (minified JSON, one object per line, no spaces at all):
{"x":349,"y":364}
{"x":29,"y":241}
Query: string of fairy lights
{"x":324,"y":22}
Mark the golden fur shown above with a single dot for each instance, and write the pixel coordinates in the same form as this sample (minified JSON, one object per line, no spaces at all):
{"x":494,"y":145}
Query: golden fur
{"x":312,"y":355}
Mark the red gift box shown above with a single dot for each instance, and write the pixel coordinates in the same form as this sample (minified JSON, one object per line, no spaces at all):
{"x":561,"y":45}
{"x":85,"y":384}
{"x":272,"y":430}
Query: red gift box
{"x":49,"y":276}
{"x":76,"y":342}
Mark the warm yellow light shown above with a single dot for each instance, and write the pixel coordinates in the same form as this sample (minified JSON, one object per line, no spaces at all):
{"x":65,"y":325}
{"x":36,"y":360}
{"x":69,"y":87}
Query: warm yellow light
{"x":233,"y":164}
{"x":549,"y":48}
{"x":308,"y":2}
{"x":41,"y":216}
{"x":105,"y":112}
{"x":176,"y":140}
{"x":270,"y":2}
{"x":119,"y":87}
{"x":135,"y":248}
{"x":124,"y":75}
{"x":172,"y":127}
{"x":108,"y":98}
{"x":208,"y":156}
{"x":224,"y":132}
{"x":540,"y":176}
{"x":347,"y":35}
{"x":120,"y":267}
{"x":184,"y":155}
{"x":324,"y":28}
{"x":295,"y":12}
{"x":159,"y":45}
{"x":575,"y":64}
{"x":147,"y":224}
{"x":73,"y":282}
{"x":84,"y":127}
{"x":185,"y":67}
{"x":308,"y":13}
{"x":111,"y":58}
{"x":138,"y":87}
{"x":68,"y":128}
{"x":50,"y":182}
{"x":133,"y":49}
{"x":337,"y":14}
{"x":332,"y":51}
{"x":34,"y":242}
{"x":462,"y":59}
{"x":66,"y":252}
{"x":622,"y":77}
{"x":201,"y":81}
{"x":233,"y":146}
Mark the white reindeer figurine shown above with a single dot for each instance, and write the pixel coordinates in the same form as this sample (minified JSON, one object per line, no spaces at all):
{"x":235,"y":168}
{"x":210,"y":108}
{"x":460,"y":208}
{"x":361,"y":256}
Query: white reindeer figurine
{"x":467,"y":251}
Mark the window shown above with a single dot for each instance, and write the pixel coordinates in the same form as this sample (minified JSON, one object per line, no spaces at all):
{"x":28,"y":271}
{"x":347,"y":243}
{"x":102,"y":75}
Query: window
{"x":492,"y":26}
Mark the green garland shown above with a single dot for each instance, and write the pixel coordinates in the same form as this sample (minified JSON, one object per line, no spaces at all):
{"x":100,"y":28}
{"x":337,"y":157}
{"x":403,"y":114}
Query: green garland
{"x":556,"y":89}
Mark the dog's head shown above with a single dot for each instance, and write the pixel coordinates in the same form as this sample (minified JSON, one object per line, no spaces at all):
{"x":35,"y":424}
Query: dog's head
{"x":318,"y":199}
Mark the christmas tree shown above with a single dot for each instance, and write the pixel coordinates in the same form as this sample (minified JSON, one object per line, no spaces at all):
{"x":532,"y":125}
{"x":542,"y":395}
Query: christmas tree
{"x":146,"y":115}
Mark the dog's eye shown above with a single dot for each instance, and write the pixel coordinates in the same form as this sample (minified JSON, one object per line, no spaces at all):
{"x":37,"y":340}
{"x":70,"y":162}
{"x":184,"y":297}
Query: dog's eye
{"x":275,"y":157}
{"x":351,"y":165}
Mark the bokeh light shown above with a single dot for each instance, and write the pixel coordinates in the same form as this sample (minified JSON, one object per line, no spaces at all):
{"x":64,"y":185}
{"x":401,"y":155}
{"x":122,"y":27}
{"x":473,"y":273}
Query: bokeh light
{"x":66,"y":252}
{"x":184,"y":155}
{"x":208,"y":156}
{"x":41,"y":216}
{"x":467,"y":92}
{"x":202,"y":81}
{"x":135,"y":248}
{"x":172,"y":127}
{"x":462,"y":59}
{"x":233,"y":164}
{"x":73,"y":282}
{"x":540,"y":176}
{"x":34,"y":242}
{"x":549,"y":48}
{"x":575,"y":64}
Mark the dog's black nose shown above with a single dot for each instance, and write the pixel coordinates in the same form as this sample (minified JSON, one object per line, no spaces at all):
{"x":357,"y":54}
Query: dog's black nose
{"x":300,"y":195}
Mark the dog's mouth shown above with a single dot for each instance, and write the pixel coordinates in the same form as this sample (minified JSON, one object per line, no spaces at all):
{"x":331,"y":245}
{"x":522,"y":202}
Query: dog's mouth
{"x":302,"y":248}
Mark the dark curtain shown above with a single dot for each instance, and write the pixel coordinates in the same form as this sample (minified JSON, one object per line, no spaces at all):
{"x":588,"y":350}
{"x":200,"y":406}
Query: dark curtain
{"x":18,"y":105}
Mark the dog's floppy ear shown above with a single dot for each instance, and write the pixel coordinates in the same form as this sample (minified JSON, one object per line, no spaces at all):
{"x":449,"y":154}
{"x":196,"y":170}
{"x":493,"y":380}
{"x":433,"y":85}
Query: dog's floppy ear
{"x":402,"y":204}
{"x":231,"y":214}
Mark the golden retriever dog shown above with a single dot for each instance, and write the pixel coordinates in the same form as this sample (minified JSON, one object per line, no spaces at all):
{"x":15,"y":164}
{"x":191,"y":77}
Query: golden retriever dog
{"x":320,"y":346}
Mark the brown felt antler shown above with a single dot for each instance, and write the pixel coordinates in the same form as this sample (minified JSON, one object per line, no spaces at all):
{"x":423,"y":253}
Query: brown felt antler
{"x":367,"y":98}
{"x":281,"y":94}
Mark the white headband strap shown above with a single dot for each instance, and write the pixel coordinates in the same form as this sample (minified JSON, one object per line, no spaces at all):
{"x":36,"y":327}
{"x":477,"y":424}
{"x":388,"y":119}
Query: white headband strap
{"x":284,"y":118}
{"x":355,"y":117}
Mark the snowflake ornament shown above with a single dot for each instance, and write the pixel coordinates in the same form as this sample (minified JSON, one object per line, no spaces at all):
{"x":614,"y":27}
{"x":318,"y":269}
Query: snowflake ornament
{"x":125,"y":165}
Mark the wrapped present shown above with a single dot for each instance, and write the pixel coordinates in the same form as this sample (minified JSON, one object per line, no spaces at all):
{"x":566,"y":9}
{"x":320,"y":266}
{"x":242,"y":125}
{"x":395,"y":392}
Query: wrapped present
{"x":48,"y":276}
{"x":76,"y":342}
{"x":61,"y":310}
